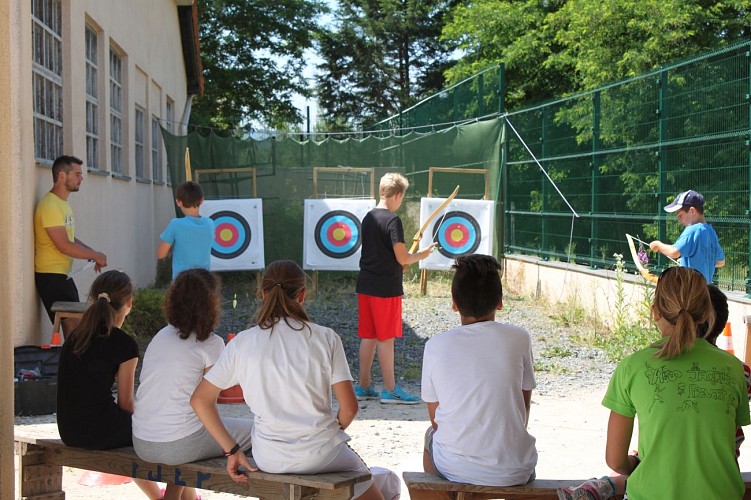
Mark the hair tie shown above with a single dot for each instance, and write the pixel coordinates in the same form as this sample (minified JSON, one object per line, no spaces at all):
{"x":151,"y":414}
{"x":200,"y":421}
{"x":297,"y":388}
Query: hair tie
{"x":681,"y":311}
{"x":279,"y":285}
{"x":104,"y":296}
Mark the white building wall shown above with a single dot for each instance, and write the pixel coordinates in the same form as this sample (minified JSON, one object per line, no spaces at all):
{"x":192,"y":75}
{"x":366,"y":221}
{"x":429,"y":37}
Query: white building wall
{"x":121,"y":216}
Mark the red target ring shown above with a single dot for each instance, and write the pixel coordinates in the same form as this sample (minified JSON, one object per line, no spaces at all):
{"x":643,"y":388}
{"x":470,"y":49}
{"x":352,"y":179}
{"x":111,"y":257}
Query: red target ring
{"x":226,"y":234}
{"x":339,"y":234}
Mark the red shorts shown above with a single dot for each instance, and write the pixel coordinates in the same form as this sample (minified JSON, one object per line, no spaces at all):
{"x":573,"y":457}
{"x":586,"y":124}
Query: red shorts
{"x":379,"y":317}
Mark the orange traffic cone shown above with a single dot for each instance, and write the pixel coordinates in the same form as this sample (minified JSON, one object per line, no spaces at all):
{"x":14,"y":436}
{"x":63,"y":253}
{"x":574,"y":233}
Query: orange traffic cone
{"x":231,"y":395}
{"x":725,"y":341}
{"x":56,"y":340}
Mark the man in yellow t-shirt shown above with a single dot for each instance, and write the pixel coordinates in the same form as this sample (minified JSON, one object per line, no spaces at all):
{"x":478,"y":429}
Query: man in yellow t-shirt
{"x":55,"y":244}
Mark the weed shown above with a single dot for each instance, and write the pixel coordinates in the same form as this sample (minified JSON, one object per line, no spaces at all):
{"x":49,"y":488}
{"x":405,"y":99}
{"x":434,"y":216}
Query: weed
{"x":556,"y":352}
{"x":628,"y":334}
{"x":146,"y":317}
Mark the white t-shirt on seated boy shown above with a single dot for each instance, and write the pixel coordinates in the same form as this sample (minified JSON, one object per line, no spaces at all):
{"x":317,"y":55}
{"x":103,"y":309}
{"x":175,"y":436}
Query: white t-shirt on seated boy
{"x":477,"y":380}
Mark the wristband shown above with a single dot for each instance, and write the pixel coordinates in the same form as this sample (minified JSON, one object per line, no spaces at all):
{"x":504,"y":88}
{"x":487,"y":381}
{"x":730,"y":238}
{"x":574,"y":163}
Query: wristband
{"x":231,"y":452}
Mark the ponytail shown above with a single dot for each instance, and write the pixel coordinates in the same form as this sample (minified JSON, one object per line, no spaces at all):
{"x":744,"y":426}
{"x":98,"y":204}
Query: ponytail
{"x":109,"y":293}
{"x":682,"y":299}
{"x":282,"y":283}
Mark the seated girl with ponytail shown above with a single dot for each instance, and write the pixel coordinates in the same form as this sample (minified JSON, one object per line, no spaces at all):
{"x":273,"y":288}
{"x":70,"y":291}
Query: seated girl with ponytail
{"x":288,"y":368}
{"x":95,"y":355}
{"x":689,"y":398}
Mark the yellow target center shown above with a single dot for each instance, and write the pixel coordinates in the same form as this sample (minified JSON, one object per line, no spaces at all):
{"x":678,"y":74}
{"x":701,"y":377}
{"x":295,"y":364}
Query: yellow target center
{"x":456,"y":235}
{"x":339,"y":234}
{"x":225,"y":235}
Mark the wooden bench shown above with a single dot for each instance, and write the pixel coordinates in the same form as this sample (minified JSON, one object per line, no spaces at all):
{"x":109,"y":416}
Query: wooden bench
{"x":41,"y":462}
{"x":426,"y":486}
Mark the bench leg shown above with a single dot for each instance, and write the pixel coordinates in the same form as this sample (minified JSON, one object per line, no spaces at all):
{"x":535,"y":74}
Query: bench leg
{"x":37,"y":480}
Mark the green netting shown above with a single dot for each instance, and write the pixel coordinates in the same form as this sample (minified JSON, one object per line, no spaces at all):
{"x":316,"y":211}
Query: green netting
{"x":478,"y":96}
{"x":619,"y":153}
{"x":284,"y":172}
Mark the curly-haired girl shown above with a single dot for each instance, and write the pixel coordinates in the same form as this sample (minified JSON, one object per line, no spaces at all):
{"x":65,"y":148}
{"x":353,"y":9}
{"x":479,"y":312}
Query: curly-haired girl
{"x":165,"y":428}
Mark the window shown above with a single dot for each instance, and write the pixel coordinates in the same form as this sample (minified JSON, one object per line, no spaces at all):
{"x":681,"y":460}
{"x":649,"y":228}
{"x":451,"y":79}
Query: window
{"x":47,"y":76}
{"x":140,"y":139}
{"x":92,"y":101}
{"x":116,"y":112}
{"x":156,"y":150}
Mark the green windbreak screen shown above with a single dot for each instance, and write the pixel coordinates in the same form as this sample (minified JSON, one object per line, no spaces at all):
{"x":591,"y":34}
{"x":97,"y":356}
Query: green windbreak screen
{"x":284,"y":172}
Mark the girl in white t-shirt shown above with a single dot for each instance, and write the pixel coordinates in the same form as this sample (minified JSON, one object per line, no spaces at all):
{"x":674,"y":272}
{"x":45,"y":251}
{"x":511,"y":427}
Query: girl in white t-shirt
{"x":288,"y":368}
{"x":165,"y":428}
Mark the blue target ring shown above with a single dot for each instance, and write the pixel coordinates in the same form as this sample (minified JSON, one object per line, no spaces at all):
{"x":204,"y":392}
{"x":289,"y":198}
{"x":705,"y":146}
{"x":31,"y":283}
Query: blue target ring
{"x":457,"y":234}
{"x":338,"y":234}
{"x":232,"y":235}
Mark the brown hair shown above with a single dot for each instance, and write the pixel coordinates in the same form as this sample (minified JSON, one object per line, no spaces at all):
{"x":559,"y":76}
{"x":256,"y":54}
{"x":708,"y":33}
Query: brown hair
{"x":283,"y":282}
{"x":193,"y":303}
{"x":109,"y":293}
{"x":63,"y":164}
{"x":392,"y":184}
{"x":682,"y":299}
{"x":190,"y":194}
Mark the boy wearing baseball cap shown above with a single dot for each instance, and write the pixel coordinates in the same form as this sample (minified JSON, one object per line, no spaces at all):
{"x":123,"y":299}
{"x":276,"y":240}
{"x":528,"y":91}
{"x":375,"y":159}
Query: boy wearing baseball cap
{"x":697,"y":246}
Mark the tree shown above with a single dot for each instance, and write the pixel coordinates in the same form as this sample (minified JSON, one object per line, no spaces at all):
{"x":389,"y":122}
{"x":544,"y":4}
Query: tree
{"x":514,"y":32}
{"x":556,"y":47}
{"x":252,"y":53}
{"x":379,"y":57}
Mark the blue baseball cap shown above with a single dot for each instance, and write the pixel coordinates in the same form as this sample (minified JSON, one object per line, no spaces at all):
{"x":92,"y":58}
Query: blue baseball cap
{"x":686,"y":200}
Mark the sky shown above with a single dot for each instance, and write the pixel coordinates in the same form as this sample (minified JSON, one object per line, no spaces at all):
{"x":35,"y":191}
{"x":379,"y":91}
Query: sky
{"x":312,"y":59}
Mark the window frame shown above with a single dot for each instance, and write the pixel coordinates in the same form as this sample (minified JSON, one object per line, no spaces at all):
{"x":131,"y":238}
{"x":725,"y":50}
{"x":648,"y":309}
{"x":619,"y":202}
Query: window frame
{"x":117,"y":115}
{"x":47,"y":79}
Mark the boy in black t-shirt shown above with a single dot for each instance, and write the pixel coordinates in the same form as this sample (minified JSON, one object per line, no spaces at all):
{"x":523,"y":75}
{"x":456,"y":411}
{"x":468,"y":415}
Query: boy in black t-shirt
{"x":379,"y":289}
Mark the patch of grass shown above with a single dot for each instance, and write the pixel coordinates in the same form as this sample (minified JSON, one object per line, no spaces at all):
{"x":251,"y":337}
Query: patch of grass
{"x":411,"y":373}
{"x":556,"y":352}
{"x":552,"y":368}
{"x":626,"y":340}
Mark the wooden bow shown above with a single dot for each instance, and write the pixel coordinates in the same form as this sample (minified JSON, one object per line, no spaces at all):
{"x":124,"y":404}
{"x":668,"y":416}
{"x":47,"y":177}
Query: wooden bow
{"x":418,"y":235}
{"x":188,"y":176}
{"x":634,"y":255}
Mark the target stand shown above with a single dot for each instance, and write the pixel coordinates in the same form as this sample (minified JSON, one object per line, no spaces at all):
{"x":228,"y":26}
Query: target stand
{"x":337,"y":235}
{"x":233,"y":233}
{"x":457,"y":232}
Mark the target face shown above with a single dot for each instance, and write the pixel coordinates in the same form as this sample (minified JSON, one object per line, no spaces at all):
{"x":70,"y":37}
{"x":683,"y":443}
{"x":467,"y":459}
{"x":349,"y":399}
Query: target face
{"x":457,"y":234}
{"x":337,"y":234}
{"x":465,"y":227}
{"x":232,"y":235}
{"x":333,"y":233}
{"x":238,"y":234}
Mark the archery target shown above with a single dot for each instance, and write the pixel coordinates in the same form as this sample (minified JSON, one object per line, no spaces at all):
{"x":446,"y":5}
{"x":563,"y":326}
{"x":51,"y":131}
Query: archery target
{"x":232,"y":235}
{"x":464,"y":227}
{"x":332,"y":234}
{"x":457,"y":234}
{"x":238,"y":234}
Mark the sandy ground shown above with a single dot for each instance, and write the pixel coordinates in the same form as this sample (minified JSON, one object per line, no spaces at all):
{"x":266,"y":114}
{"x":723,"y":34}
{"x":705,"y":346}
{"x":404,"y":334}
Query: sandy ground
{"x":570,"y":434}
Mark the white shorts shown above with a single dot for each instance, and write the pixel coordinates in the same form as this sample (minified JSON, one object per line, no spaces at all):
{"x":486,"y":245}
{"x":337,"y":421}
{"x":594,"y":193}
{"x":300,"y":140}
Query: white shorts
{"x":341,"y":459}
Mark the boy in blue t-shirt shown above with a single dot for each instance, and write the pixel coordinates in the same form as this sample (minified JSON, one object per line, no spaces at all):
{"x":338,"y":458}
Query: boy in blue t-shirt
{"x":697,"y":246}
{"x":191,"y":236}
